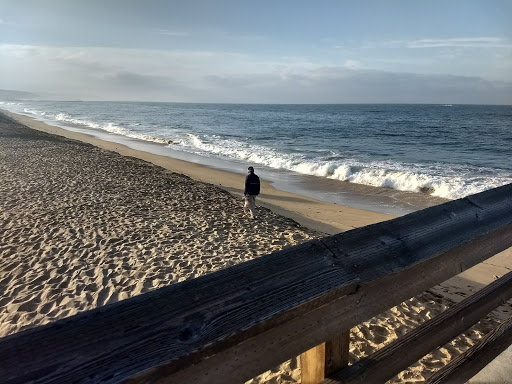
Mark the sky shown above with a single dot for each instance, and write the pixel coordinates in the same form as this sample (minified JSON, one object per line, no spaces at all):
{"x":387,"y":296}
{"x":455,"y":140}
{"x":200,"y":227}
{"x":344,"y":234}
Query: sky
{"x":259,"y":51}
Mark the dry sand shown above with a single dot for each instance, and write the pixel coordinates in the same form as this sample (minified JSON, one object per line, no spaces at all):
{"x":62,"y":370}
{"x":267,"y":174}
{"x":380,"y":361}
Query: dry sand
{"x":85,"y":225}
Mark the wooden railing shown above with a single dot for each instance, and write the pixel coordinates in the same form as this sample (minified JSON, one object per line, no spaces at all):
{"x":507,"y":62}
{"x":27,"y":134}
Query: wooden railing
{"x":231,"y":325}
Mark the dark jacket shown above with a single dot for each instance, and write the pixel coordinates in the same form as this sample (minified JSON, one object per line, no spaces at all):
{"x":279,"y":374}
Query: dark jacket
{"x":252,"y":184}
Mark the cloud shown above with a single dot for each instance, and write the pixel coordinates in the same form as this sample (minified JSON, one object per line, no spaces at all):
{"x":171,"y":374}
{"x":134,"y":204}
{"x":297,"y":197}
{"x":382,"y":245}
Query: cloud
{"x":475,"y":42}
{"x":202,"y":76}
{"x":353,"y":64}
{"x":9,"y":23}
{"x":342,"y":85}
{"x":170,"y":33}
{"x":457,"y":42}
{"x":248,"y":38}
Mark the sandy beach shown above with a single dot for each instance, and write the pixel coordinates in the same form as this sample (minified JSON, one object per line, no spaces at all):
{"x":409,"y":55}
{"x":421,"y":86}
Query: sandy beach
{"x":86,"y":222}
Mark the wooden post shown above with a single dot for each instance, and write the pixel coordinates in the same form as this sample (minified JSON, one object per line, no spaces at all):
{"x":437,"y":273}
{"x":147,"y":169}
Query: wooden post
{"x":325,"y":359}
{"x":312,"y":365}
{"x":336,"y":353}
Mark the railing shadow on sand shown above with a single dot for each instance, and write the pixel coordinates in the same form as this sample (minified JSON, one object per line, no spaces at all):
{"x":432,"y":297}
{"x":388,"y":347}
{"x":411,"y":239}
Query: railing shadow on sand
{"x":231,"y":325}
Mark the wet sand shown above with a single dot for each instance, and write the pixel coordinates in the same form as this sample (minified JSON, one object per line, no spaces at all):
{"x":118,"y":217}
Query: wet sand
{"x":86,"y":225}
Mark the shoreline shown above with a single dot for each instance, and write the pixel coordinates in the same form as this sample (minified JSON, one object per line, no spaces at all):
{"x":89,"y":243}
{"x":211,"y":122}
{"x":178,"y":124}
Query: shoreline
{"x":322,"y":216}
{"x":87,"y":225}
{"x":366,"y":197}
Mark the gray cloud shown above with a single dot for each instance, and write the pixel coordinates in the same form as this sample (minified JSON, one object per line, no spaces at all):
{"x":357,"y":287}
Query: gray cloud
{"x":452,"y":42}
{"x":170,"y":33}
{"x":341,"y":85}
{"x":128,"y":74}
{"x":471,"y":42}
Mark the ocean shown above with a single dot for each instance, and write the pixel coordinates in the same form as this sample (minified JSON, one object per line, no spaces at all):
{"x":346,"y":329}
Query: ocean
{"x":442,"y":151}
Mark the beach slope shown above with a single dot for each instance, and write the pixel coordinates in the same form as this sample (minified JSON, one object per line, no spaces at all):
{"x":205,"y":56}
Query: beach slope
{"x":83,"y":226}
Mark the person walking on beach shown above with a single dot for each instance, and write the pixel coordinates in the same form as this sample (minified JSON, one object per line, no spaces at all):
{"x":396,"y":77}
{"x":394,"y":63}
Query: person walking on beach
{"x":252,"y":189}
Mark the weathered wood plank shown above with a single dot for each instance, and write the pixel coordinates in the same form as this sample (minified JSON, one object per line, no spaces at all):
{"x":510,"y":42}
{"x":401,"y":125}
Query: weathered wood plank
{"x":294,"y":299}
{"x":395,"y":357}
{"x":320,"y":324}
{"x":177,"y":320}
{"x":468,"y":364}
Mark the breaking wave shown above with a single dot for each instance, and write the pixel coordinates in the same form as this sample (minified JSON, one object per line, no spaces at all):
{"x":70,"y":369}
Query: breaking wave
{"x":456,"y":182}
{"x":441,"y":179}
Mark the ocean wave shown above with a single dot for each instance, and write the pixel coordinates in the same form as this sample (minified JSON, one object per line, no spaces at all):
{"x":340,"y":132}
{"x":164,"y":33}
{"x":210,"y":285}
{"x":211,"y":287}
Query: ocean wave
{"x":448,"y":187}
{"x":456,"y":182}
{"x":66,"y":119}
{"x":110,"y":127}
{"x":449,"y":181}
{"x":34,"y":112}
{"x":402,"y":179}
{"x":9,"y":103}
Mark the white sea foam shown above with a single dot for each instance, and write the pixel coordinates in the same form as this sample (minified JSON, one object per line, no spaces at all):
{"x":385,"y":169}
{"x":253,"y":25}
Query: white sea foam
{"x":443,"y":180}
{"x":33,"y":112}
{"x":111,"y":128}
{"x":403,"y":177}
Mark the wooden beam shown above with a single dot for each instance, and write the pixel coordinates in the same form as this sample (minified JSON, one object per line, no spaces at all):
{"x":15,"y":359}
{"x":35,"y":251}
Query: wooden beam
{"x":238,"y":322}
{"x":398,"y":355}
{"x":372,"y":297}
{"x":468,"y":364}
{"x":325,"y":359}
{"x":318,"y":325}
{"x":177,"y":323}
